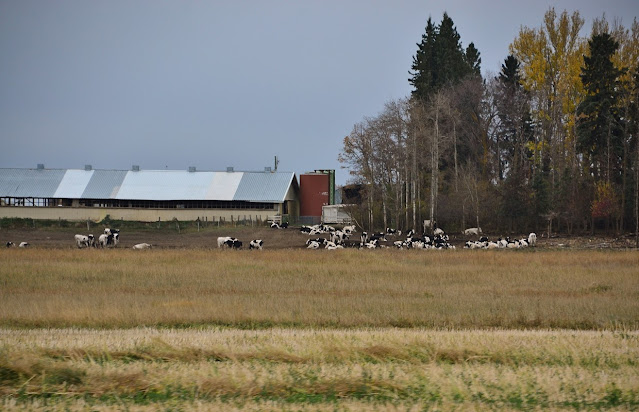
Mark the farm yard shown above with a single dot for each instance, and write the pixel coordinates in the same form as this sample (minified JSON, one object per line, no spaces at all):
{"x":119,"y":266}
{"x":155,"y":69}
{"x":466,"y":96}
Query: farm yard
{"x":188,"y":326}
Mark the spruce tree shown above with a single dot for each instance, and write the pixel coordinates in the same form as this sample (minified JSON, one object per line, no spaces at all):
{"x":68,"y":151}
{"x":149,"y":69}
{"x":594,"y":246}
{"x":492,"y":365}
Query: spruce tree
{"x":473,"y":61}
{"x":440,"y":60}
{"x":599,"y":128}
{"x":423,"y":68}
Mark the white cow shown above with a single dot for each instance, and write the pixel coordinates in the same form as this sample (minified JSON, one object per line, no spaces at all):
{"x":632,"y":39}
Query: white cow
{"x":84,"y":241}
{"x":349,"y":229}
{"x":438,"y":232}
{"x":473,"y":231}
{"x":141,"y":246}
{"x":103,"y":240}
{"x":24,"y":244}
{"x":532,"y":239}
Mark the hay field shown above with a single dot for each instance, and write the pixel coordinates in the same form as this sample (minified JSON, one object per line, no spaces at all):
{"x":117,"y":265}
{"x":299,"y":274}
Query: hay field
{"x":284,"y":369}
{"x":318,"y":330}
{"x":304,"y":288}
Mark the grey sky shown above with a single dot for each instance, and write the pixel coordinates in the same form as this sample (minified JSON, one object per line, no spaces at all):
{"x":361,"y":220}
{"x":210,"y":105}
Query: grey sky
{"x":223,"y":83}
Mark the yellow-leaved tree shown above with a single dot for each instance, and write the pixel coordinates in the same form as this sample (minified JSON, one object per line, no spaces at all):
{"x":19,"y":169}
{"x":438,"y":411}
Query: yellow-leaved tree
{"x":551,"y":57}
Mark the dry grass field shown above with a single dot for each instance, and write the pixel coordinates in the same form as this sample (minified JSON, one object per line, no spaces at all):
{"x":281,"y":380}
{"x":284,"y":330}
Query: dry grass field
{"x":304,"y":288}
{"x":289,"y":369}
{"x":196,"y":328}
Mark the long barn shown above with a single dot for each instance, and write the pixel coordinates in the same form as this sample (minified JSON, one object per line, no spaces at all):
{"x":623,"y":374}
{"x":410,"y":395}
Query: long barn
{"x":147,"y":195}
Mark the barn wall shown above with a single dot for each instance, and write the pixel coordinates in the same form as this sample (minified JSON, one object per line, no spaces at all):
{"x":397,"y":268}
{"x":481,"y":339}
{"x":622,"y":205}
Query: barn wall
{"x":140,"y":215}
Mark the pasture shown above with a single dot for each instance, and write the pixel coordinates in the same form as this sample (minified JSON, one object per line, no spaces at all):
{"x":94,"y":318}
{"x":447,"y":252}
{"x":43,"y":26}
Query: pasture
{"x":209,"y":329}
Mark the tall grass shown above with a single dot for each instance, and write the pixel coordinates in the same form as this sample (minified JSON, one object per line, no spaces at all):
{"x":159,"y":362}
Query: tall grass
{"x":281,"y":369}
{"x":452,"y":289}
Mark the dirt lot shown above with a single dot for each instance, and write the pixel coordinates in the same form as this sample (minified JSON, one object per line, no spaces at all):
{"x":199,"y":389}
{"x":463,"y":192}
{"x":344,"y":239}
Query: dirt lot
{"x":170,"y":237}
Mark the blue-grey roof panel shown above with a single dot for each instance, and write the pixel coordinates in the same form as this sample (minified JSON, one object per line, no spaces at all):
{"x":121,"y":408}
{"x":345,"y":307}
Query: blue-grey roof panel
{"x":263,"y":187}
{"x":30,"y":182}
{"x":104,"y":184}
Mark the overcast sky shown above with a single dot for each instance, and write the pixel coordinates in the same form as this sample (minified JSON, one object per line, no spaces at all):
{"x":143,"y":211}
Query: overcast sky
{"x":211,"y":84}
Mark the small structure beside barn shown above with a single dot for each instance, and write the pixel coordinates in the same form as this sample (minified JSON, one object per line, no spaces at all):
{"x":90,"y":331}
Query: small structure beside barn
{"x":337,"y":214}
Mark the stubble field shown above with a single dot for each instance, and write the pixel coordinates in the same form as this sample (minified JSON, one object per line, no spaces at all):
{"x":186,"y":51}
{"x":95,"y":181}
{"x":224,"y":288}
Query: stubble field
{"x":288,"y":329}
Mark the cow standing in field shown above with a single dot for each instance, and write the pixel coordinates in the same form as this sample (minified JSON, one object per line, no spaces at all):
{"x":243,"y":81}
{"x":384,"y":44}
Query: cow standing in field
{"x":106,"y":240}
{"x":348,"y":229}
{"x":233,"y":244}
{"x":256,"y":244}
{"x":222,"y":240}
{"x":83,"y":241}
{"x":473,"y":231}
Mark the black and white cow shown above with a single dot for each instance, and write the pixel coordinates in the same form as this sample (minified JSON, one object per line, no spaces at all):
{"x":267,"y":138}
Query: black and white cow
{"x":233,"y":244}
{"x":221,"y":241}
{"x":256,"y":244}
{"x":319,"y":240}
{"x":338,"y":237}
{"x":24,"y":244}
{"x":10,"y":244}
{"x":83,"y":241}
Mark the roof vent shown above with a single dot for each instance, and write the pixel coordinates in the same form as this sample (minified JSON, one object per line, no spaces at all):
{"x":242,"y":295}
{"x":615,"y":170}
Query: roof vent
{"x":267,"y":169}
{"x":229,"y":169}
{"x":135,"y":168}
{"x":40,"y":166}
{"x":88,"y":168}
{"x":191,"y":169}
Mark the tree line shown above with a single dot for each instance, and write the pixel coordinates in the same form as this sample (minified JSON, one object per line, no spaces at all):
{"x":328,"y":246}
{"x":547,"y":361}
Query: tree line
{"x":550,"y":142}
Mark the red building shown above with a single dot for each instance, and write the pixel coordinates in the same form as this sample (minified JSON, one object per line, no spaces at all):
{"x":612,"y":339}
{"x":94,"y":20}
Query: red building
{"x":314,"y":193}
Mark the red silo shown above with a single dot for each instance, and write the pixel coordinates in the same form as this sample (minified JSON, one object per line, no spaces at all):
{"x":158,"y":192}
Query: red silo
{"x":314,"y":193}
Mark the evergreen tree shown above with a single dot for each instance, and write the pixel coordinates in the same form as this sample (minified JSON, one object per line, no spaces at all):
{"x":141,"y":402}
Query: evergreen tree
{"x":449,"y":54}
{"x":599,"y":128}
{"x":515,"y":122}
{"x":440,"y":60}
{"x":423,"y":68}
{"x":510,"y":71}
{"x":473,"y":61}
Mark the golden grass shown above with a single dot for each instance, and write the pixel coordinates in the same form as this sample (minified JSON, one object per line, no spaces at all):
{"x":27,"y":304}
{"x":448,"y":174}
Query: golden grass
{"x":286,"y":369}
{"x":349,"y":288}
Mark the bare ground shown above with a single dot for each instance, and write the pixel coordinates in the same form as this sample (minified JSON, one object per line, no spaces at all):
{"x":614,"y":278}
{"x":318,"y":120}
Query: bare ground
{"x":170,"y":237}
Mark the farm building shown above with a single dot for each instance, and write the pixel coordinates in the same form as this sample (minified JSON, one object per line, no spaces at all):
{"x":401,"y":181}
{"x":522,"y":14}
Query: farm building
{"x":317,"y":189}
{"x":147,"y":195}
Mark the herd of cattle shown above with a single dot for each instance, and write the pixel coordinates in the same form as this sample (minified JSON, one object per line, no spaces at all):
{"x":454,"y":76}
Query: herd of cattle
{"x":335,"y":239}
{"x":339,"y":239}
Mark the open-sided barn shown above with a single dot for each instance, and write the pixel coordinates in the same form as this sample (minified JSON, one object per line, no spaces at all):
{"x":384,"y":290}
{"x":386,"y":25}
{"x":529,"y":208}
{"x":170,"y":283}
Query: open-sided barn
{"x":147,"y":195}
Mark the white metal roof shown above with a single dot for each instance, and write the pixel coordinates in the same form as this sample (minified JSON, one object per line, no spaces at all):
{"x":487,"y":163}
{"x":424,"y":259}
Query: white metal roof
{"x":73,"y":184}
{"x":146,"y":184}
